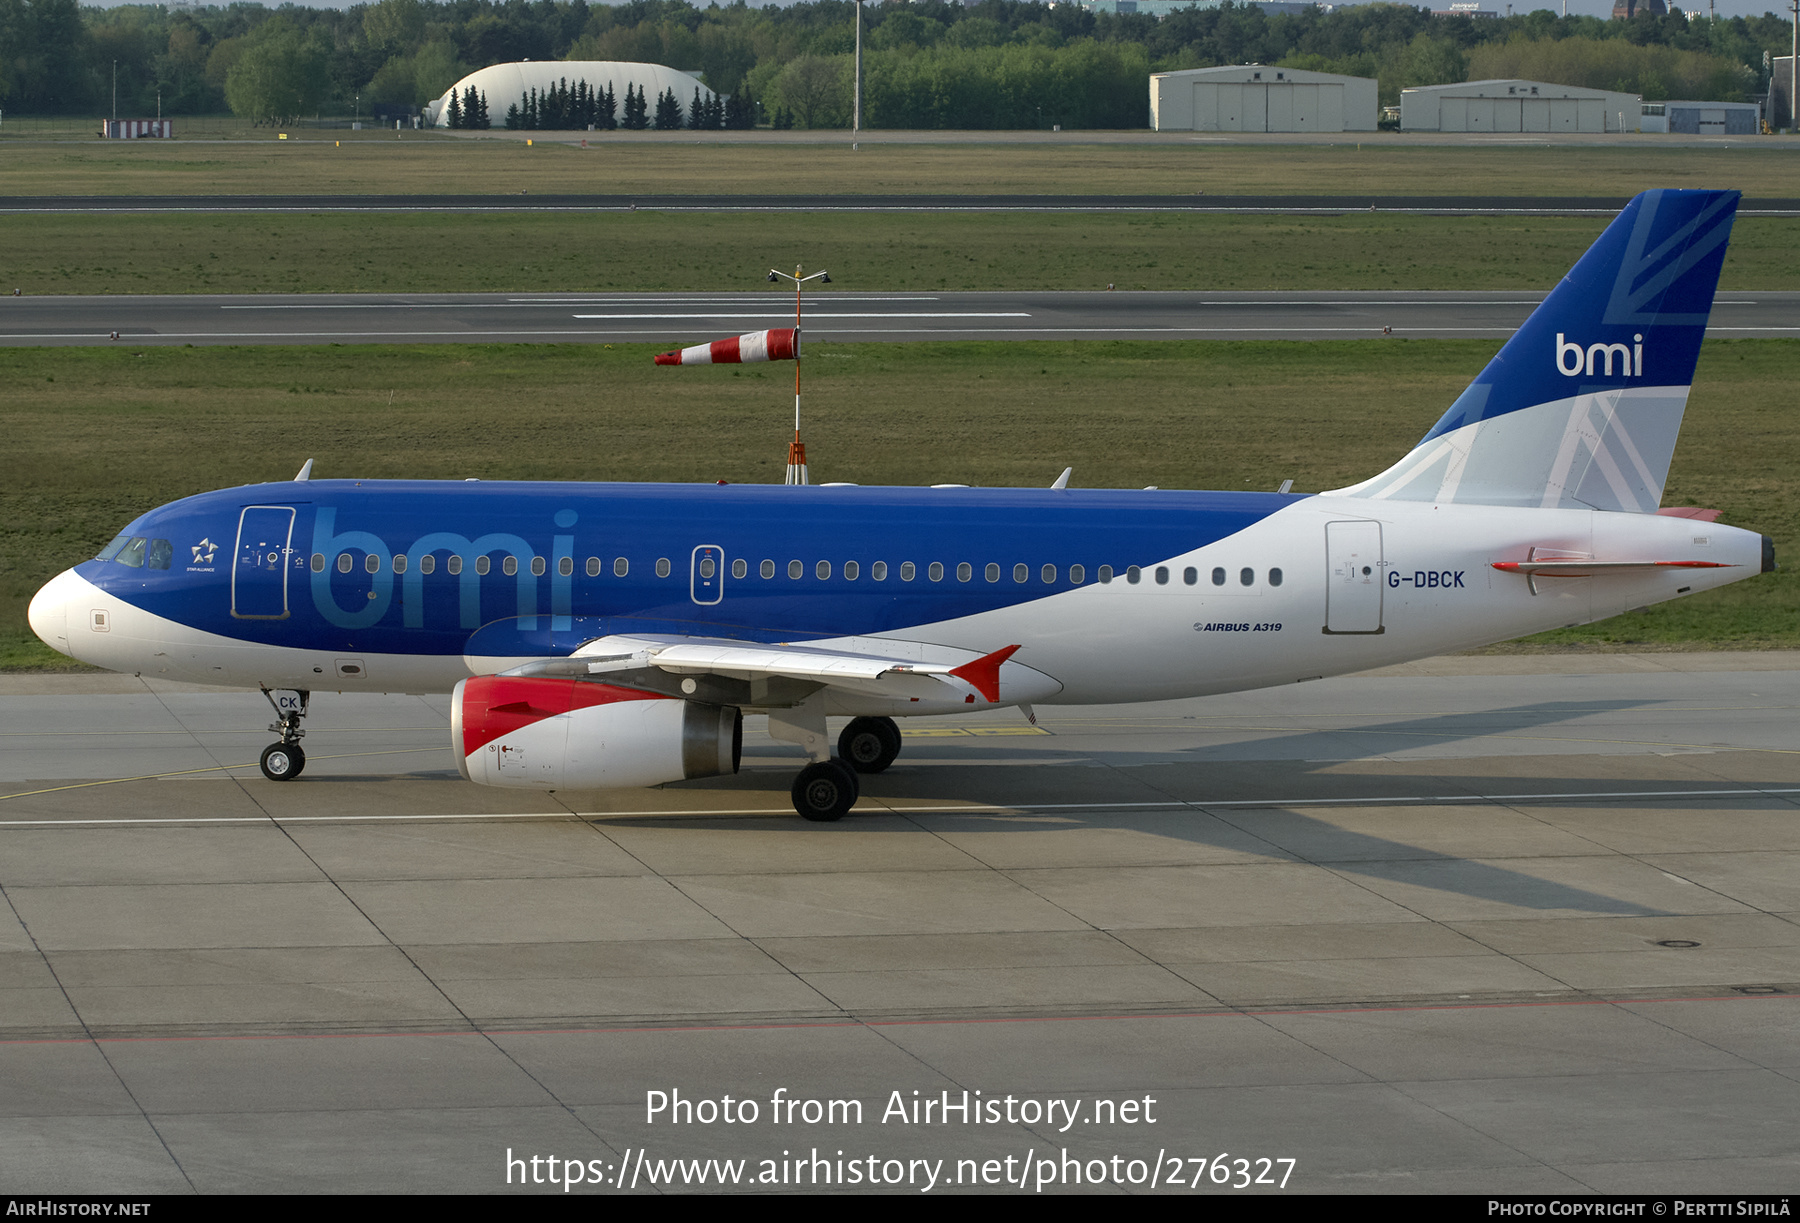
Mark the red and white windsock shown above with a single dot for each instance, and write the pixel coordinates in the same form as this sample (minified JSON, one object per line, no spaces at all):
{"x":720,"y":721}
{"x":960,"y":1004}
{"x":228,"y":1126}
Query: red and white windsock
{"x":778,"y":344}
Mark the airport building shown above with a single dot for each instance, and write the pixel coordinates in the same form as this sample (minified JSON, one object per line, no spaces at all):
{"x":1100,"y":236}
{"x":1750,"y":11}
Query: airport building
{"x":504,"y":84}
{"x":1517,"y":106}
{"x":1258,"y":98}
{"x":1703,"y":118}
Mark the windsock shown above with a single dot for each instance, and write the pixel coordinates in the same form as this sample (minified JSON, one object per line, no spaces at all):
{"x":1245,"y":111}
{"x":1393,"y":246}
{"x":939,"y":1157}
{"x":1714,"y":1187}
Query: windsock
{"x":779,"y":344}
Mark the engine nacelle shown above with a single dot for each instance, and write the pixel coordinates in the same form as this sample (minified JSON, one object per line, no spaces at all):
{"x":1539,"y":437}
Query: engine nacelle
{"x":554,"y":734}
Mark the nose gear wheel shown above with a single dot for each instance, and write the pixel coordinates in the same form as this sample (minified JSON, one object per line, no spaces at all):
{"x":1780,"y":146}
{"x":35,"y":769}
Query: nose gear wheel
{"x":284,"y":760}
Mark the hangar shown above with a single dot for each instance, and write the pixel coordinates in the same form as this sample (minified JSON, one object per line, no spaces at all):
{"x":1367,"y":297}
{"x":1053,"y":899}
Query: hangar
{"x":504,"y":84}
{"x":1517,"y":106}
{"x":1703,"y":118}
{"x":1258,"y":98}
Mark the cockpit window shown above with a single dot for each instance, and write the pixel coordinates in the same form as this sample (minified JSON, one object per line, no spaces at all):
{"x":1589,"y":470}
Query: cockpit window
{"x":133,"y":553}
{"x":112,"y":550}
{"x":161,"y":552}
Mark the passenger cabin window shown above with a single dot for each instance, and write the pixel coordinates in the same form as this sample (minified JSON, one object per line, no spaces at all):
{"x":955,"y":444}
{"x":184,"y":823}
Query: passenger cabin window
{"x":1105,"y":573}
{"x":483,"y":564}
{"x":851,"y":571}
{"x":1048,"y":573}
{"x":965,"y":571}
{"x":767,"y":569}
{"x":400,"y":562}
{"x":936,"y":571}
{"x":1274,"y":577}
{"x":796,"y":570}
{"x":427,"y":563}
{"x":372,"y":563}
{"x":878,"y":571}
{"x":1162,"y":575}
{"x":621,"y":567}
{"x":318,"y":563}
{"x":345,"y":564}
{"x":1219,"y":576}
{"x":1133,"y":574}
{"x":509,"y":566}
{"x":565,"y":566}
{"x":822,"y":570}
{"x":454,"y":564}
{"x":662,"y":566}
{"x":537,"y":566}
{"x":1246,"y":577}
{"x":1190,"y":575}
{"x":1077,"y":574}
{"x":593,"y":567}
{"x":707,"y":567}
{"x":907,"y":571}
{"x":992,"y":573}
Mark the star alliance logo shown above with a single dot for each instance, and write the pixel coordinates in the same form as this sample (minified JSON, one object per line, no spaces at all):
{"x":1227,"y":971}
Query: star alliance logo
{"x":204,"y":551}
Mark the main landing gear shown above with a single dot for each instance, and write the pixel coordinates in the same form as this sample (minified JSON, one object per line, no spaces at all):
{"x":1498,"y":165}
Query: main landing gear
{"x":869,"y":745}
{"x":827,"y":789}
{"x":283,"y":761}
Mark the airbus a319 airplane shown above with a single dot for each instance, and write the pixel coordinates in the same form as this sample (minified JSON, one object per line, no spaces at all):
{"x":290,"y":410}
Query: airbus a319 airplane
{"x":614,"y":635}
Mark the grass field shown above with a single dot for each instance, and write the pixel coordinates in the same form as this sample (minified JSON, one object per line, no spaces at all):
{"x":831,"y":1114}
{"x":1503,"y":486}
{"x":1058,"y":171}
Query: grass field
{"x":647,"y":251}
{"x":977,"y":163}
{"x":97,"y":436}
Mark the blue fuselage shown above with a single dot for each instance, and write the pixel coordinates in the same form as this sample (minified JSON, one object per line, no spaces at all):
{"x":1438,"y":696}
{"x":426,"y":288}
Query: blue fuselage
{"x":441,"y":568}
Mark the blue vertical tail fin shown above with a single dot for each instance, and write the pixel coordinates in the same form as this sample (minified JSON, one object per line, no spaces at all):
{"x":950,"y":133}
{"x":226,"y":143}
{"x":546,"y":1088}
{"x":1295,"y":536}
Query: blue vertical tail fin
{"x":1581,"y":408}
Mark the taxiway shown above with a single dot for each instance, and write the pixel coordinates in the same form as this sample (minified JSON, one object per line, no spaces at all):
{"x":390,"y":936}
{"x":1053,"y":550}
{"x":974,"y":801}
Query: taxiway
{"x":1521,"y":924}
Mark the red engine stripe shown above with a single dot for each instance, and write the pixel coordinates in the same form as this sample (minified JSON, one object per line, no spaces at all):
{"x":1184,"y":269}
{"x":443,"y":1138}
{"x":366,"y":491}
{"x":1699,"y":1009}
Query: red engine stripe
{"x":495,"y":705}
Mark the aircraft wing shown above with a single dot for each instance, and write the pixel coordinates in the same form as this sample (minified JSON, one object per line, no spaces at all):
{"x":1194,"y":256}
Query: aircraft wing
{"x":757,"y":674}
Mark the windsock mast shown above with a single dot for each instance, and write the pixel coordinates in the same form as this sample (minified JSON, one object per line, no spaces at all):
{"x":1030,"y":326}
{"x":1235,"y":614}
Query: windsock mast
{"x":796,"y":464}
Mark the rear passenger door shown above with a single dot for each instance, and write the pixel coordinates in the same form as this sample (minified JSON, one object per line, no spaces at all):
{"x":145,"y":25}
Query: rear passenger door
{"x":1353,"y":573}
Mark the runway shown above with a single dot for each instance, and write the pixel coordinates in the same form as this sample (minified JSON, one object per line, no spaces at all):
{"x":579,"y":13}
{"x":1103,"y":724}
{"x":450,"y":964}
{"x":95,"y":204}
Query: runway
{"x":1280,"y":205}
{"x":1515,"y":924}
{"x":685,"y":318}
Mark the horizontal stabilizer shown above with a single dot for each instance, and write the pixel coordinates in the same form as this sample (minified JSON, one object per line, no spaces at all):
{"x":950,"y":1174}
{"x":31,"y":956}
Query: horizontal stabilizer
{"x":1581,"y":569}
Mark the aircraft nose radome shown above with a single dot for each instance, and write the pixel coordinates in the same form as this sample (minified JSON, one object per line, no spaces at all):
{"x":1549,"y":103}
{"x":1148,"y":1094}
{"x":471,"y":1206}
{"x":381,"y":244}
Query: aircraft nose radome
{"x":49,"y":611}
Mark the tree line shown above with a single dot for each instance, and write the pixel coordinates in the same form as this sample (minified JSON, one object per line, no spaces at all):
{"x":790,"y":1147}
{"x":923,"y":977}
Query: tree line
{"x":928,"y":63}
{"x":578,"y":107}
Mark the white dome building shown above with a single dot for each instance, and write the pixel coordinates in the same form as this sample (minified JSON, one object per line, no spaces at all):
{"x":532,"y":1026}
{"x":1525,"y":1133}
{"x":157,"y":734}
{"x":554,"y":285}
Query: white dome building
{"x":504,"y":84}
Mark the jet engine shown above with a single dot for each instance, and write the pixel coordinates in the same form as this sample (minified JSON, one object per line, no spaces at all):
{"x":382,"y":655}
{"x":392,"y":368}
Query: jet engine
{"x":553,"y":734}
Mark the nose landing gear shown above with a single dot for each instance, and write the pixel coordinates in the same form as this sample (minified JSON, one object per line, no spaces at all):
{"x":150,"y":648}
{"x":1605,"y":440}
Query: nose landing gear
{"x":283,"y":761}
